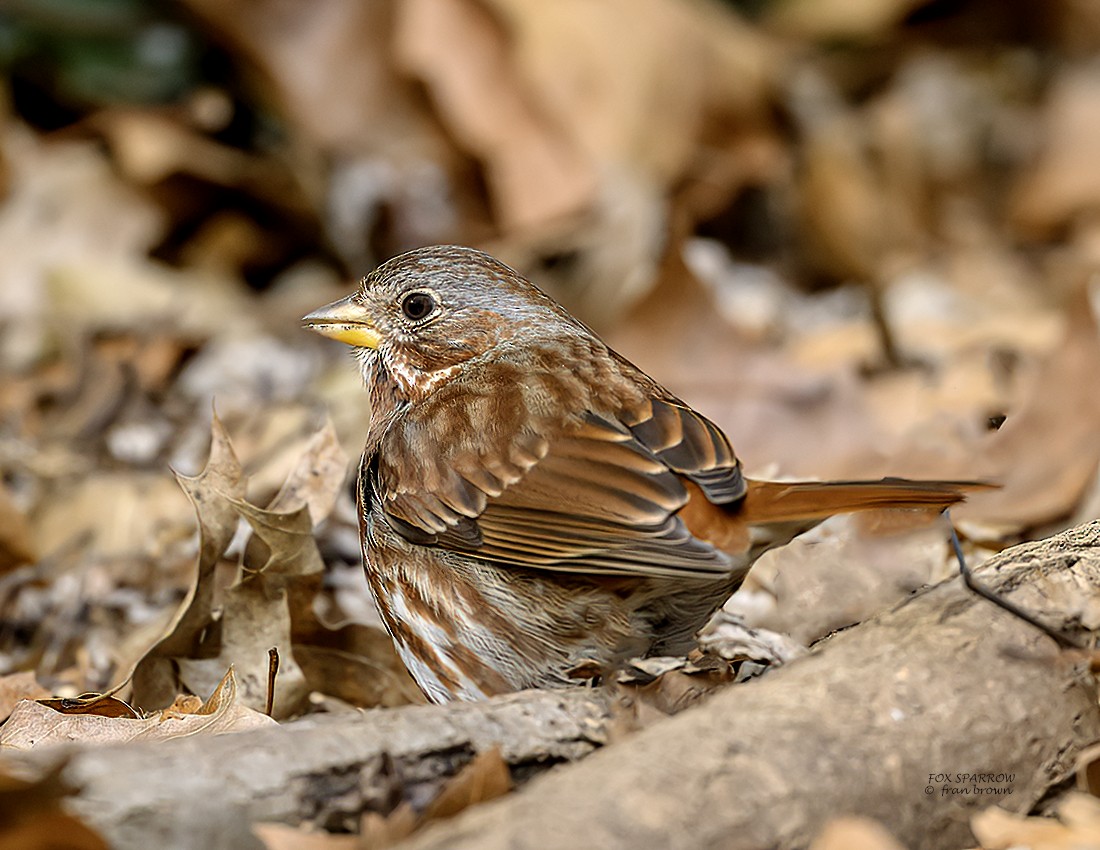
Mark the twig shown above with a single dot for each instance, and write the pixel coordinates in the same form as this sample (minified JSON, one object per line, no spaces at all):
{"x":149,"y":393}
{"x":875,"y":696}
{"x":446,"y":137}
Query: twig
{"x":1062,"y":638}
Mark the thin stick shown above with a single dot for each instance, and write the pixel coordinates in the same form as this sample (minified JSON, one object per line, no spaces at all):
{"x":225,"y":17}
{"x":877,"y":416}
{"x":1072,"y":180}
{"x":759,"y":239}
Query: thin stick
{"x":1063,"y":639}
{"x":272,"y":672}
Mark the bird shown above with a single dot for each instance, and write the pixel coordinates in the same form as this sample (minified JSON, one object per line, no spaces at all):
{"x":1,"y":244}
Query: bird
{"x":534,"y":509}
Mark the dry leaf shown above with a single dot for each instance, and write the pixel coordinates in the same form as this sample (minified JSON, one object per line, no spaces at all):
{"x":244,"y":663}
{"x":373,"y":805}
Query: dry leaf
{"x":32,"y":817}
{"x":484,"y":778}
{"x":101,"y":705}
{"x":854,"y":833}
{"x":727,"y":636}
{"x":154,"y":677}
{"x":33,"y":724}
{"x":1077,"y":827}
{"x":379,"y":832}
{"x":253,"y":619}
{"x":464,"y":54}
{"x":1046,"y":454}
{"x":1065,"y":181}
{"x":16,"y":546}
{"x":18,"y":686}
{"x":280,"y":836}
{"x":317,"y":480}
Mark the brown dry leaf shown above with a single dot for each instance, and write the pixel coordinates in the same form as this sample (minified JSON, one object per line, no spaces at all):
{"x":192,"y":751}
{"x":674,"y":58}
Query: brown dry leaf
{"x":280,"y":836}
{"x":237,"y":625}
{"x":317,"y":480}
{"x":838,"y":19}
{"x":289,"y":548}
{"x":854,"y":833}
{"x":154,"y":677}
{"x":66,"y":207}
{"x":113,"y":514}
{"x":33,"y":724}
{"x":572,"y":87}
{"x":464,"y":54}
{"x":842,"y":203}
{"x":727,"y":636}
{"x":253,"y":618}
{"x":16,"y":546}
{"x":379,"y":832}
{"x":1065,"y":181}
{"x":357,"y":665}
{"x":18,"y":686}
{"x":680,"y":685}
{"x":1046,"y":454}
{"x":32,"y":818}
{"x":101,"y":705}
{"x":484,"y":778}
{"x":328,"y":67}
{"x":1077,"y":827}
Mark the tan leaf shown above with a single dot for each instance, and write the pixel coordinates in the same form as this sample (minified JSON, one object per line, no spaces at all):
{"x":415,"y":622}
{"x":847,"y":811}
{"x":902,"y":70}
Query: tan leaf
{"x":839,"y":19}
{"x":1077,"y":826}
{"x":280,"y":836}
{"x":484,"y":778}
{"x":1046,"y":454}
{"x":318,"y":478}
{"x":1065,"y":180}
{"x":16,"y":546}
{"x":18,"y":686}
{"x":33,"y":724}
{"x":154,"y":679}
{"x":289,"y":548}
{"x":32,"y":818}
{"x":549,"y":95}
{"x":101,"y":705}
{"x":854,"y":833}
{"x":254,"y":618}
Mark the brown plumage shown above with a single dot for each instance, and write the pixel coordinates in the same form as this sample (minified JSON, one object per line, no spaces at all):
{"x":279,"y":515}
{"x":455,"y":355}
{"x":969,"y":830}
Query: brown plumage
{"x":532,"y":502}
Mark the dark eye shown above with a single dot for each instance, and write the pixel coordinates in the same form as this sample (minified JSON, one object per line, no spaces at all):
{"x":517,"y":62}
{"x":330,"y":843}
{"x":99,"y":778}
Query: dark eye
{"x":417,"y":305}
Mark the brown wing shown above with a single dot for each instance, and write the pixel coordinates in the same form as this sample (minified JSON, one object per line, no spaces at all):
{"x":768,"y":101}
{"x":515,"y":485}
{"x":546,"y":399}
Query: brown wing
{"x":599,"y":496}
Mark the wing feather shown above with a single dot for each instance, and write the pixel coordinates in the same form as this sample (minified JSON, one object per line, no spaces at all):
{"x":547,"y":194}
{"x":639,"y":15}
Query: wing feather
{"x":595,"y":495}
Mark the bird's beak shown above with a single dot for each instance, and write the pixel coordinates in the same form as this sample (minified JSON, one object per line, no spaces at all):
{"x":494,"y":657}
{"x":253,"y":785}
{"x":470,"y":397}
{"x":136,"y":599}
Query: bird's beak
{"x":345,"y":321}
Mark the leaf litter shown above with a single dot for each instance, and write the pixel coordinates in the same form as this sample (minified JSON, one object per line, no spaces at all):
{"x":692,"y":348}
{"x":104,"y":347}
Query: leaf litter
{"x":858,"y":236}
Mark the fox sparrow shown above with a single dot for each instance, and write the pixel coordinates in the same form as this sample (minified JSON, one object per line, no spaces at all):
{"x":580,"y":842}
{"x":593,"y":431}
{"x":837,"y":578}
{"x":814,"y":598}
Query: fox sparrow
{"x":531,"y":502}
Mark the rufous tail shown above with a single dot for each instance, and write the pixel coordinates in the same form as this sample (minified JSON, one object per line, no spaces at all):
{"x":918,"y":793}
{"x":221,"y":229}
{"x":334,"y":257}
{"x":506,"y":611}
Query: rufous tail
{"x":779,"y":501}
{"x":774,"y":512}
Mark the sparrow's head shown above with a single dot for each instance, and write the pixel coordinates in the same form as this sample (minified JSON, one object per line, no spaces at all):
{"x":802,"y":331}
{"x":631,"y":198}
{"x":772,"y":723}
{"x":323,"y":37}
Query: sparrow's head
{"x":421,"y":315}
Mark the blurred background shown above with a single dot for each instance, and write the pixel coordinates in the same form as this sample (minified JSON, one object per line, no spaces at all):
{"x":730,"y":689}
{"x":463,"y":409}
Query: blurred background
{"x":858,"y":235}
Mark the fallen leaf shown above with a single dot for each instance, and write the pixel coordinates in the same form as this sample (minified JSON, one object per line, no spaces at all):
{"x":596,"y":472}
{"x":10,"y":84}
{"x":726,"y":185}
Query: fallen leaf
{"x":1065,"y":180}
{"x":16,"y":546}
{"x":32,"y":816}
{"x":317,"y":479}
{"x":253,"y":618}
{"x":854,"y":833}
{"x":154,"y":677}
{"x":34,"y":724}
{"x":1046,"y":453}
{"x":18,"y":686}
{"x":1077,"y":826}
{"x":484,"y":778}
{"x":280,"y":836}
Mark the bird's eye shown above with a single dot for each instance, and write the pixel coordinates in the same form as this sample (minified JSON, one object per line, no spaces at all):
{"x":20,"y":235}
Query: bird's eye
{"x":417,"y":305}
